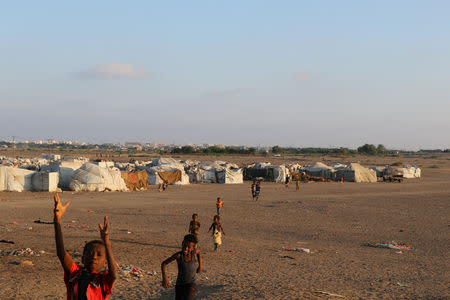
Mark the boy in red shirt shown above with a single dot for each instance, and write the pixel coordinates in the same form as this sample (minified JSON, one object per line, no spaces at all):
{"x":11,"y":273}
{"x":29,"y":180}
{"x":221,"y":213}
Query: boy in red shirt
{"x":90,"y":281}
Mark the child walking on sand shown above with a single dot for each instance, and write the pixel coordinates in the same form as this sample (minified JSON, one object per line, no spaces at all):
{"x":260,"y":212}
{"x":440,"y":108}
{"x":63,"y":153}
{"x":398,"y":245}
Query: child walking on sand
{"x":187,"y":260}
{"x":194,"y":226}
{"x":217,"y":230}
{"x":90,"y":281}
{"x":219,"y":204}
{"x":253,"y":189}
{"x":257,"y":191}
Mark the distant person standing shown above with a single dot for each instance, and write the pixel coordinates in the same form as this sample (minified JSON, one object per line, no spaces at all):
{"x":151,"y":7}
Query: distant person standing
{"x":253,"y":189}
{"x":219,"y":204}
{"x":257,"y":190}
{"x":194,"y":226}
{"x":297,"y":185}
{"x":288,"y":180}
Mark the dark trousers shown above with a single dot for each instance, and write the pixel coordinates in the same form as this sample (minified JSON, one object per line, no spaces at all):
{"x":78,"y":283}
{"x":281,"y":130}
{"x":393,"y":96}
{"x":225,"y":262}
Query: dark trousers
{"x":185,"y":291}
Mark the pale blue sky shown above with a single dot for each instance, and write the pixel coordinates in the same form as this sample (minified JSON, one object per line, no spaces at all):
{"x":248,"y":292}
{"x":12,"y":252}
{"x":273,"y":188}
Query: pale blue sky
{"x":299,"y":73}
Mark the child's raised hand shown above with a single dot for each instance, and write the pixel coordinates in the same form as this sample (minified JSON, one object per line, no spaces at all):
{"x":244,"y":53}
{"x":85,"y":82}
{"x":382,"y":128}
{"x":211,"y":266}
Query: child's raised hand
{"x":59,"y":208}
{"x":104,"y":229}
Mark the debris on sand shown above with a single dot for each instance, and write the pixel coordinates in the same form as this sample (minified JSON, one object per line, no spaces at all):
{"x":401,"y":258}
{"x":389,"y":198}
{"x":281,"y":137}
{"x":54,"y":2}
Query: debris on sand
{"x":26,"y":263}
{"x":305,"y":250}
{"x":22,"y":252}
{"x":390,"y":245}
{"x":329,"y":294}
{"x":42,"y":222}
{"x":7,"y":242}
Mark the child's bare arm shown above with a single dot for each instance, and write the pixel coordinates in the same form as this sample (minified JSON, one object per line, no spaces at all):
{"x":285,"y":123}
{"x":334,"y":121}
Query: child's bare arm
{"x":165,"y":280}
{"x":221,"y":229}
{"x":199,"y":258}
{"x":112,"y":266}
{"x":210,"y":227}
{"x":58,"y":212}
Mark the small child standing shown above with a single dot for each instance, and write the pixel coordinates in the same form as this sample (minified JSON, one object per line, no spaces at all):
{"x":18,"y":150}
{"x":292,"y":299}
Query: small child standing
{"x":185,"y":286}
{"x":219,"y":204}
{"x":257,"y":191}
{"x":217,"y":230}
{"x":91,"y":281}
{"x":194,"y":226}
{"x":253,"y":189}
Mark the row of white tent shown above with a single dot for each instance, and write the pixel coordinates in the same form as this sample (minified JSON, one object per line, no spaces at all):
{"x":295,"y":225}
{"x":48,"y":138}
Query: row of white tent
{"x":79,"y":175}
{"x":52,"y":173}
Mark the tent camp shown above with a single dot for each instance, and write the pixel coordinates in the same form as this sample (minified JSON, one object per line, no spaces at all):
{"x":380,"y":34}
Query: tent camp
{"x":14,"y":179}
{"x":354,"y":172}
{"x":66,"y":169}
{"x":45,"y":181}
{"x":93,"y":178}
{"x":319,"y":169}
{"x":230,"y":176}
{"x":135,"y":180}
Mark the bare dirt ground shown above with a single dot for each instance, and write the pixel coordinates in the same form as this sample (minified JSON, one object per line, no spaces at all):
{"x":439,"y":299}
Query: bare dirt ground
{"x":333,"y":220}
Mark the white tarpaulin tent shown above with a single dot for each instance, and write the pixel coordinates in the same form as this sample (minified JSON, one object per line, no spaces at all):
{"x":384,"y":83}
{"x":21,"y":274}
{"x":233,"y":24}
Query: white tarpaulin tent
{"x":230,"y":176}
{"x":93,"y":178}
{"x":15,"y":179}
{"x":45,"y":181}
{"x":65,"y":168}
{"x":356,"y":173}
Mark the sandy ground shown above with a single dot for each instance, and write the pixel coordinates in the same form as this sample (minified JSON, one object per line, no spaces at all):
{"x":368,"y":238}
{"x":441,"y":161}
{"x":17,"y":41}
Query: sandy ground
{"x":333,"y":220}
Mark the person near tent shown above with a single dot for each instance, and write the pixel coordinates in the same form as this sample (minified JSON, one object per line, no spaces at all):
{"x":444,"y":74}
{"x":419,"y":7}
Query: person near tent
{"x":217,"y":231}
{"x":253,"y":189}
{"x":189,"y":263}
{"x":288,"y":180}
{"x":92,"y":280}
{"x":257,"y":191}
{"x":219,"y":204}
{"x":194,"y":226}
{"x":297,"y":185}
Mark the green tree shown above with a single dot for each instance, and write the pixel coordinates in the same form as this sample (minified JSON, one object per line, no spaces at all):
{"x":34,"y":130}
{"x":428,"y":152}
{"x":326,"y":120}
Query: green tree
{"x":277,"y":149}
{"x":368,"y":149}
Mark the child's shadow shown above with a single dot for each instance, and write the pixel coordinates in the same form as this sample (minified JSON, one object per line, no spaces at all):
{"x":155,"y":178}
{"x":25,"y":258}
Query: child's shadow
{"x":144,"y":244}
{"x":203,"y":292}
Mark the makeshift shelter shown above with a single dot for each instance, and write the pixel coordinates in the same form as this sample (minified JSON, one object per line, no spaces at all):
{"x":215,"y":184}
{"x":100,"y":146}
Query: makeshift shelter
{"x":230,"y":176}
{"x":93,"y":178}
{"x":135,"y":180}
{"x":356,"y":173}
{"x":14,"y":179}
{"x":45,"y":181}
{"x":66,"y":169}
{"x":319,"y":169}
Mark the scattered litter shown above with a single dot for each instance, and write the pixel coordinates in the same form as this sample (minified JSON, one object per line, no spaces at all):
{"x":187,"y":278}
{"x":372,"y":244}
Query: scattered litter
{"x":306,"y":250}
{"x":399,"y":252}
{"x":231,"y":251}
{"x":6,"y":242}
{"x":329,"y":294}
{"x":5,"y":228}
{"x":14,"y":222}
{"x":128,"y":232}
{"x":402,"y":284}
{"x":390,"y":245}
{"x":402,"y":230}
{"x":21,"y":252}
{"x":130,"y":271}
{"x":287,"y":256}
{"x":26,"y":263}
{"x":42,"y":222}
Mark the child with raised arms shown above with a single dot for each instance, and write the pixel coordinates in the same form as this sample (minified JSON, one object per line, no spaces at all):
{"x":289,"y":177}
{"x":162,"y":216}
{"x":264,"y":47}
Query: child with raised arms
{"x":92,"y":280}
